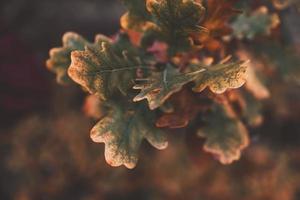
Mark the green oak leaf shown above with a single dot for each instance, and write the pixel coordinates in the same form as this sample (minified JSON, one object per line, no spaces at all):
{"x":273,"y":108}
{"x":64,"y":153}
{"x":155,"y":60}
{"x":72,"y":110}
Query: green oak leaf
{"x":226,"y":136}
{"x":220,"y":77}
{"x":60,"y":57}
{"x":161,"y":85}
{"x":105,"y":68}
{"x":122,"y":130}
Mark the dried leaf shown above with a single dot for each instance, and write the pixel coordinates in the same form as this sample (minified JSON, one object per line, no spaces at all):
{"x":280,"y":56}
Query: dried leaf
{"x":216,"y":20}
{"x":221,"y":77}
{"x":105,"y":68}
{"x":160,"y":86}
{"x":225,"y":135}
{"x":123,"y":130}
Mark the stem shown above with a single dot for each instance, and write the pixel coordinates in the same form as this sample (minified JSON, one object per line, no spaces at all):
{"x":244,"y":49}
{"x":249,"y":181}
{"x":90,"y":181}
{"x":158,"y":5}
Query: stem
{"x":196,"y":72}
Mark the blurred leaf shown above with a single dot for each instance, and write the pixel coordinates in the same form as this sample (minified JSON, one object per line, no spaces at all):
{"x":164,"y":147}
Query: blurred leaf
{"x":216,"y":20}
{"x":60,"y":57}
{"x":260,"y":22}
{"x":186,"y":107}
{"x":252,"y":111}
{"x":225,"y":135}
{"x":123,"y":130}
{"x":94,"y":107}
{"x":137,"y":15}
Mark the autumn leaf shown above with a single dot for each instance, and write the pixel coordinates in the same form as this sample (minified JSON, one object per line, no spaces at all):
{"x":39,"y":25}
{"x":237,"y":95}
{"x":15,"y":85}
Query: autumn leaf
{"x":105,"y":68}
{"x":225,"y":135}
{"x":161,"y":85}
{"x":221,"y":76}
{"x":60,"y":57}
{"x":216,"y":20}
{"x":123,"y":130}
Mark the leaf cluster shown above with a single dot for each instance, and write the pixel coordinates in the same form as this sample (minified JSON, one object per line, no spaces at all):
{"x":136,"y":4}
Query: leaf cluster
{"x":181,"y":90}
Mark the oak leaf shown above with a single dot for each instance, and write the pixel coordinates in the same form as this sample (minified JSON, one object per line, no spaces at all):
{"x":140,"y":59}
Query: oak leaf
{"x":123,"y":130}
{"x":60,"y":57}
{"x":105,"y":68}
{"x":175,"y":21}
{"x":225,"y":135}
{"x":221,"y":76}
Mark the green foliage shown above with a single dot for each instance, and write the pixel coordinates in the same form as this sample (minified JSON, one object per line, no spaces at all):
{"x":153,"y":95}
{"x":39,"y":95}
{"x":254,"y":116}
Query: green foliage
{"x":123,"y":129}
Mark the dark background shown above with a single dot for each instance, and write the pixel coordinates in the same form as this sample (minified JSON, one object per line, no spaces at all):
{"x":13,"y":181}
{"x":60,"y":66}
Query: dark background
{"x":28,"y":29}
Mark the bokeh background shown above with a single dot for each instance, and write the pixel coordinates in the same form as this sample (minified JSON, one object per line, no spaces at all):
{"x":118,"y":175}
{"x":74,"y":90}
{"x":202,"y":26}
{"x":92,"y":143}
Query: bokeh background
{"x":45,"y":149}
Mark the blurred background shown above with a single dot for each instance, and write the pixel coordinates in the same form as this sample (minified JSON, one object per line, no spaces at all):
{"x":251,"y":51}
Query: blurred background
{"x":45,"y":149}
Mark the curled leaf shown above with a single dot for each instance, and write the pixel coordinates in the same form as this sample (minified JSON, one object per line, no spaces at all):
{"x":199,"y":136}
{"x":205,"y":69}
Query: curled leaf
{"x":123,"y":130}
{"x":225,"y":135}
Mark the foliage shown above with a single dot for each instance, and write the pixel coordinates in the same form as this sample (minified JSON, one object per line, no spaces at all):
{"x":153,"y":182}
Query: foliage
{"x":174,"y":54}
